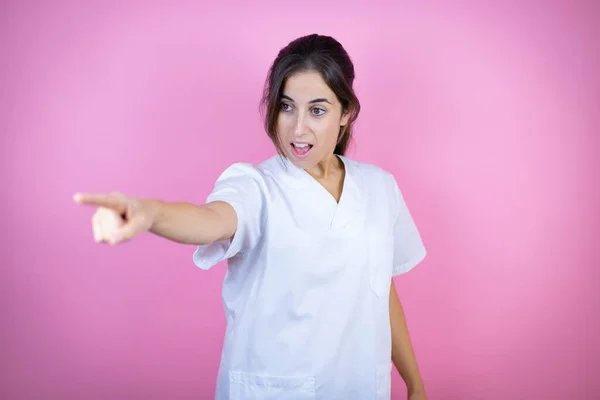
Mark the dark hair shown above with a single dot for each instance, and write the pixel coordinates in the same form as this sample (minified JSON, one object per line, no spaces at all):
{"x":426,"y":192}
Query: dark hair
{"x":324,"y":55}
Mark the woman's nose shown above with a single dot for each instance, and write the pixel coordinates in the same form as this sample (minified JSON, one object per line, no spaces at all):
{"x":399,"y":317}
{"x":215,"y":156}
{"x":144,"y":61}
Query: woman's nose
{"x":300,"y":126}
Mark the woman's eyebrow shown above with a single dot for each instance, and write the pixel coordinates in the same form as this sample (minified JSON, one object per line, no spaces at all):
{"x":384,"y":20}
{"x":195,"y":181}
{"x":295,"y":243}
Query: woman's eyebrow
{"x":319,"y":100}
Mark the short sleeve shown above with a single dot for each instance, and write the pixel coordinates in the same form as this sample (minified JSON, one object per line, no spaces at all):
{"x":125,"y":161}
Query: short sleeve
{"x":409,"y":250}
{"x":242,"y":186}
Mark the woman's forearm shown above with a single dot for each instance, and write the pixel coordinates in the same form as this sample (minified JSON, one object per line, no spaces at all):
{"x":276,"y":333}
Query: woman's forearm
{"x":192,"y":224}
{"x":403,"y":355}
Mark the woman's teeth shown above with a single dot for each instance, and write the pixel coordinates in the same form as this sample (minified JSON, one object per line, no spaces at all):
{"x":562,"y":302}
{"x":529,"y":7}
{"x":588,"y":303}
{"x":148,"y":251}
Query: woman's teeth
{"x":301,"y":149}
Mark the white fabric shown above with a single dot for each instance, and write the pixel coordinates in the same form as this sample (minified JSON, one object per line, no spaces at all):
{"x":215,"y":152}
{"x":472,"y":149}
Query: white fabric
{"x":306,"y":292}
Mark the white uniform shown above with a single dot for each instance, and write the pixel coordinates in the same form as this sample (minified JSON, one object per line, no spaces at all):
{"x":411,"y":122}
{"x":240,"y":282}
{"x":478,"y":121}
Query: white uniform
{"x":306,"y":292}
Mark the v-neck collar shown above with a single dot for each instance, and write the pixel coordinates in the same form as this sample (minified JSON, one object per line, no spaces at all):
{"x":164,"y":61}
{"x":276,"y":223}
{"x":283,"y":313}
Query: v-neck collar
{"x":324,"y":189}
{"x":351,"y":199}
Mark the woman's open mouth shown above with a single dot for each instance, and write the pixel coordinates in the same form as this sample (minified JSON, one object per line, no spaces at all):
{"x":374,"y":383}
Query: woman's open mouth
{"x":300,"y":150}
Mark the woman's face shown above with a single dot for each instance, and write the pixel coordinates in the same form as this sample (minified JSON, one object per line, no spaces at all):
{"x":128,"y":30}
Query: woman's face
{"x":309,"y":119}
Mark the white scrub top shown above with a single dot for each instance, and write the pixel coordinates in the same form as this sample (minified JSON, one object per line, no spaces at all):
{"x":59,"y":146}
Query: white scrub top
{"x":306,"y":292}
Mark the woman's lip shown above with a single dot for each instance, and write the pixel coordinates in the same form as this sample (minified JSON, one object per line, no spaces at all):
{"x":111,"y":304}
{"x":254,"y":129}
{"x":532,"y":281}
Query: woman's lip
{"x":301,"y":152}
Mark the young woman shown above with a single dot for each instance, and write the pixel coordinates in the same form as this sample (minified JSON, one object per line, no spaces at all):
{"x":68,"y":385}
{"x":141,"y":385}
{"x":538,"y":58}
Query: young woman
{"x":312,"y":240}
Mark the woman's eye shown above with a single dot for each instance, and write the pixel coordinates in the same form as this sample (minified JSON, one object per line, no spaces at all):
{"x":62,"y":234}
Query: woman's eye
{"x":284,"y":107}
{"x":318,"y":111}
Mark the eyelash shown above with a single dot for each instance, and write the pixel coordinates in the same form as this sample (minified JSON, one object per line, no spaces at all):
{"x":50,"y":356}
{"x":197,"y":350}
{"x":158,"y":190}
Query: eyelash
{"x":316,"y":108}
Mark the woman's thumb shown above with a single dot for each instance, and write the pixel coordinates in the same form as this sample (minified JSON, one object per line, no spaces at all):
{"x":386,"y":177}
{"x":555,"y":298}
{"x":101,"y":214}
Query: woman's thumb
{"x":129,"y":230}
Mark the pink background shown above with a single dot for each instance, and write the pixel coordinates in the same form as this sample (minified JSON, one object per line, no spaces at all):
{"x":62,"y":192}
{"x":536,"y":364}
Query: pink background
{"x":488,"y":115}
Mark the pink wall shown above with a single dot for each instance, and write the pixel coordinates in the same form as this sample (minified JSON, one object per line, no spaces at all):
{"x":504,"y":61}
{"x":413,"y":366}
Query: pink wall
{"x":487,"y":114}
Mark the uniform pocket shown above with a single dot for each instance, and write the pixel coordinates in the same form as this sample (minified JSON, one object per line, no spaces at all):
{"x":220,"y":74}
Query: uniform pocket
{"x":247,"y":386}
{"x":381,"y":258}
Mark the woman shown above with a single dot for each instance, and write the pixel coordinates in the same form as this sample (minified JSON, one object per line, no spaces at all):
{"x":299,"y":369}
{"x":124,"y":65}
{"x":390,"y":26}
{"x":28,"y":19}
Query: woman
{"x":312,"y":240}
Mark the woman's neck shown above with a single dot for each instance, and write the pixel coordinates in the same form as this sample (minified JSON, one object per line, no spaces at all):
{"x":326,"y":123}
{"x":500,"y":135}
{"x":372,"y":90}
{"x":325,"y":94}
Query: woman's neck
{"x":325,"y":168}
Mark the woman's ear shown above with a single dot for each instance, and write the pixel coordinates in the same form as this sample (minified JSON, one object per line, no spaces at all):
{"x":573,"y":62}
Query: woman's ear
{"x":345,"y":117}
{"x":342,"y":133}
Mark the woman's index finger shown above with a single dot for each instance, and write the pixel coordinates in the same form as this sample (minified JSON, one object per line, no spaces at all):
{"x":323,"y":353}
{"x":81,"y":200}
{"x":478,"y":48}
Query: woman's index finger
{"x":100,"y":200}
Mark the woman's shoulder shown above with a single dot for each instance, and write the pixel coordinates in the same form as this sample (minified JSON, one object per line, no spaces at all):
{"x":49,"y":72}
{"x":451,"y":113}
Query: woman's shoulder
{"x":245,"y":171}
{"x":370,"y":171}
{"x":378,"y":182}
{"x":240,"y":170}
